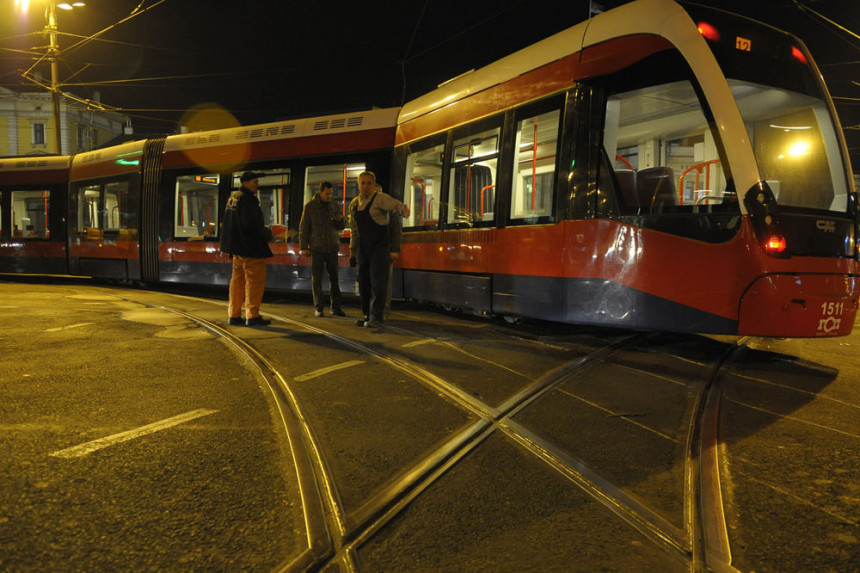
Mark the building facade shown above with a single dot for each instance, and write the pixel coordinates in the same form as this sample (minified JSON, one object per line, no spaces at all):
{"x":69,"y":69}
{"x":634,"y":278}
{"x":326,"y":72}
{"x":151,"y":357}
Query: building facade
{"x":27,"y":125}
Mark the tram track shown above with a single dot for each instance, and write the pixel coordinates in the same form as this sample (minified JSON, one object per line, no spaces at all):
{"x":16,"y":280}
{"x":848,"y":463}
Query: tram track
{"x":437,"y":441}
{"x":334,"y":534}
{"x":325,"y":546}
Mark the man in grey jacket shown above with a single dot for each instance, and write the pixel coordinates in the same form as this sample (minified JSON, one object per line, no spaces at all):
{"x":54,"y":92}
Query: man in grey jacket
{"x":319,"y":239}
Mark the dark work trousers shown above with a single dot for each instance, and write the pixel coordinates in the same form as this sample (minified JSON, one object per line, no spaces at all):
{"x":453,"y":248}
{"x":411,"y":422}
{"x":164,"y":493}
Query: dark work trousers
{"x":325,"y":262}
{"x":373,"y":280}
{"x":373,"y":261}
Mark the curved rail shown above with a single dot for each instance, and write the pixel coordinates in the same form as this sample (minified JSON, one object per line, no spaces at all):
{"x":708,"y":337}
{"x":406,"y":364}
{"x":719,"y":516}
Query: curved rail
{"x":334,"y":537}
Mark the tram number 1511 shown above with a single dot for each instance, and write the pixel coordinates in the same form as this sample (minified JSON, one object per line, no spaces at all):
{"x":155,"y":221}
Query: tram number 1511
{"x":832,"y":313}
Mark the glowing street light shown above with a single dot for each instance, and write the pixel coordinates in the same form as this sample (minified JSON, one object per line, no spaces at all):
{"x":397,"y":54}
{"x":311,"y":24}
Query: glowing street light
{"x":53,"y":54}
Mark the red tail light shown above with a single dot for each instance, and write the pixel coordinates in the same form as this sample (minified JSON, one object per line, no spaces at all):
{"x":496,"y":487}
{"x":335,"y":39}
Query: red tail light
{"x":798,"y":55}
{"x":708,"y":31}
{"x":775,"y":244}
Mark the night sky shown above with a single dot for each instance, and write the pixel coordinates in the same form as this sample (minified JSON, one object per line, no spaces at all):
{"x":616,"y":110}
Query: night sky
{"x":265,"y":60}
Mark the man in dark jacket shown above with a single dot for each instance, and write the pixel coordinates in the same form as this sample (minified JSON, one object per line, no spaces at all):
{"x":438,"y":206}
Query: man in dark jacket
{"x":246,"y":238}
{"x":319,"y":239}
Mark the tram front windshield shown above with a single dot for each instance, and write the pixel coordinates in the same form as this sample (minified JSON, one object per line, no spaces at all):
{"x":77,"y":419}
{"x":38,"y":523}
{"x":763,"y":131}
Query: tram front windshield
{"x":784,"y":109}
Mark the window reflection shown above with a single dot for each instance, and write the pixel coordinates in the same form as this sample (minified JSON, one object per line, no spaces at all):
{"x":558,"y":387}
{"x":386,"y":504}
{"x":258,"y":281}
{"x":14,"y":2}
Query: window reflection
{"x":274,"y":196}
{"x":471,"y":197}
{"x":423,"y":183}
{"x":197,"y":210}
{"x":106,"y":210}
{"x":30,"y":210}
{"x":534,"y":170}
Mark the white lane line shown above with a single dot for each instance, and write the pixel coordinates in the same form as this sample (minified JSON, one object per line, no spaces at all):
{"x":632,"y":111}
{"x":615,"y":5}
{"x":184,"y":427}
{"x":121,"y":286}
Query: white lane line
{"x":78,"y":325}
{"x":323,"y":371}
{"x":90,"y":447}
{"x":419,"y":342}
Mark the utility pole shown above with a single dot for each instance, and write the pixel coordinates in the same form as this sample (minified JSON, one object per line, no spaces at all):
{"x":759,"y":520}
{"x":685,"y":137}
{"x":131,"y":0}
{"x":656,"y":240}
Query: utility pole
{"x":53,"y":56}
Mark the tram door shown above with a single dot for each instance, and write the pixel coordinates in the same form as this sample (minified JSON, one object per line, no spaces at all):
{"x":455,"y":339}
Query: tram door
{"x":104,"y":222}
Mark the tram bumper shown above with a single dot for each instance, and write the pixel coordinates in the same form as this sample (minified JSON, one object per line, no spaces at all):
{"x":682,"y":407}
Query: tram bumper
{"x":799,"y":305}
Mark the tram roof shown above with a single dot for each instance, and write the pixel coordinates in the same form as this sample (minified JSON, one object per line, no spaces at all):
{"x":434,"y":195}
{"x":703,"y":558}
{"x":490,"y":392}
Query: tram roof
{"x":378,"y":118}
{"x":33,"y":163}
{"x":639,"y":17}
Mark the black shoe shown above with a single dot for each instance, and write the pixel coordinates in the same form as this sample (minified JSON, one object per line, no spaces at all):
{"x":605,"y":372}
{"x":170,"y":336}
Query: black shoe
{"x":257,"y":321}
{"x":373,"y":323}
{"x":236,"y":321}
{"x":318,"y":313}
{"x":338,"y":312}
{"x":361,"y":321}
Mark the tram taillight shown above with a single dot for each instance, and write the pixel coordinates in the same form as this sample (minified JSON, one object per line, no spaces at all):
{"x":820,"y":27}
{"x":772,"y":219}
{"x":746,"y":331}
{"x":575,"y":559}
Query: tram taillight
{"x":798,"y":55}
{"x":708,"y":31}
{"x":775,"y":244}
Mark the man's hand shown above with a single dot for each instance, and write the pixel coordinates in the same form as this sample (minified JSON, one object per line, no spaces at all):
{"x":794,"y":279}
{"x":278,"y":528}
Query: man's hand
{"x":394,"y":256}
{"x":305,"y":252}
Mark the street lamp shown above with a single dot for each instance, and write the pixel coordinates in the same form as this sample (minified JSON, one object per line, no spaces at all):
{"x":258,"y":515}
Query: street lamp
{"x":53,"y":55}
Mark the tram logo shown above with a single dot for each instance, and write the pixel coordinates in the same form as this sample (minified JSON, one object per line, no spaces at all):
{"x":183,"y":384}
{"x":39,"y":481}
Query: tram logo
{"x":829,"y":324}
{"x":826,"y":225}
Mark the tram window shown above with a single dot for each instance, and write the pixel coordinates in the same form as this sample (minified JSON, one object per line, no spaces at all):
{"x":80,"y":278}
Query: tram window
{"x":120,"y":210}
{"x":423,"y":182}
{"x":197,"y":209}
{"x":663,"y":150}
{"x":30,"y":214}
{"x":535,"y":167}
{"x":109,"y":209}
{"x":343,"y":178}
{"x":471,"y":196}
{"x":795,"y":146}
{"x":274,"y":196}
{"x":89,"y":222}
{"x":627,"y":158}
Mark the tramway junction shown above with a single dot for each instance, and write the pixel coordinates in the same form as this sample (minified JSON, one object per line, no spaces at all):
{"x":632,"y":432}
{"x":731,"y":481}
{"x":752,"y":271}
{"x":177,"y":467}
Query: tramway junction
{"x":141,"y":432}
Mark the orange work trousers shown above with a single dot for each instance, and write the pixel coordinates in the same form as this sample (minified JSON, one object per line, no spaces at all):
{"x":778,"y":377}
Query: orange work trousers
{"x":246,"y":286}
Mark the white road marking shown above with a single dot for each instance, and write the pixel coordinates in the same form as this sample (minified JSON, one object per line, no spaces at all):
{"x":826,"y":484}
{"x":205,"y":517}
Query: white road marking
{"x":323,"y":371}
{"x":90,"y":447}
{"x":78,"y":325}
{"x":419,"y":342}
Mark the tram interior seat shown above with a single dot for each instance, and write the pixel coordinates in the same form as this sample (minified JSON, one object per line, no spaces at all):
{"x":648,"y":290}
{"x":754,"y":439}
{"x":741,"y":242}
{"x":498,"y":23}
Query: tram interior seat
{"x":627,"y":184}
{"x":655,"y":187}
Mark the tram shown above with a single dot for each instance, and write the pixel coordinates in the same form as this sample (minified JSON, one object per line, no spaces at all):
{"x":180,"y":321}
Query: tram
{"x":660,"y":166}
{"x":657,"y":167}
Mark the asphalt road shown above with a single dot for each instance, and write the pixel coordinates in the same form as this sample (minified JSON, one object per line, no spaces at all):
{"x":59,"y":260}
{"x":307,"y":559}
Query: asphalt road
{"x":139,"y":432}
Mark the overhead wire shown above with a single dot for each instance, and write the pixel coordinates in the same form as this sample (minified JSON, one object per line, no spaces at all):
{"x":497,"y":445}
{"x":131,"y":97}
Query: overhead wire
{"x":134,"y":13}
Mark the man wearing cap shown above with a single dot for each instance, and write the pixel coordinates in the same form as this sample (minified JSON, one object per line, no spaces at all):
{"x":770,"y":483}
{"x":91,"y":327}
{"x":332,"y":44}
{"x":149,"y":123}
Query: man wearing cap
{"x":246,"y":238}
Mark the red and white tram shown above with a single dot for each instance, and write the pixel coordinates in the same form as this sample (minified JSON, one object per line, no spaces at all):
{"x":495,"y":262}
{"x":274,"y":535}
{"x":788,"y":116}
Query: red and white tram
{"x":656,"y":167}
{"x":650,"y":168}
